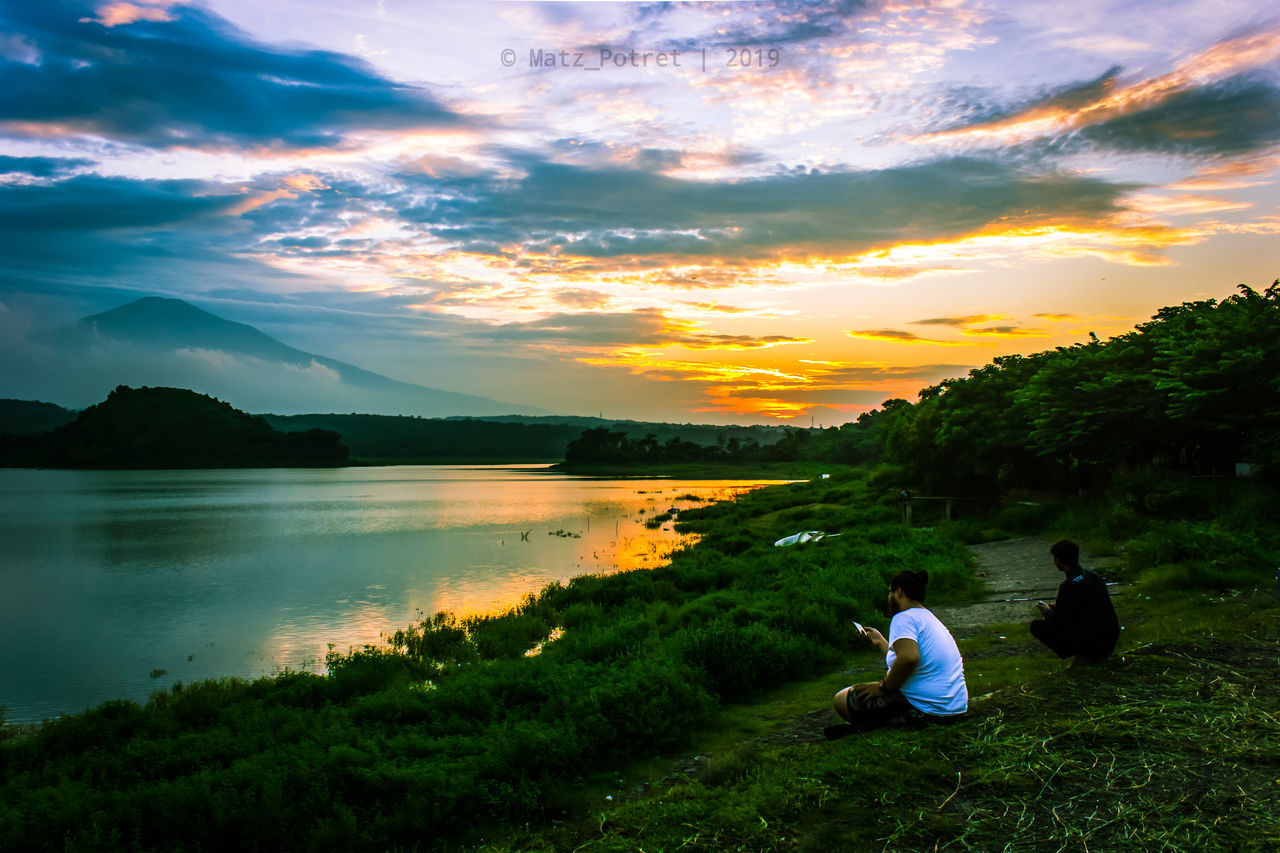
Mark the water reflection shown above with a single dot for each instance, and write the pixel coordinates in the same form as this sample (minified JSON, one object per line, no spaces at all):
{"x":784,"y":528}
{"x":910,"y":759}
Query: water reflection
{"x":109,"y":576}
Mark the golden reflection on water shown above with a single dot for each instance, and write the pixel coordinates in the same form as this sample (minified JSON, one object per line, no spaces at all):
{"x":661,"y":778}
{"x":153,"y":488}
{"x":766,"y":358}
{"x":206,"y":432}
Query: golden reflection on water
{"x":529,"y":537}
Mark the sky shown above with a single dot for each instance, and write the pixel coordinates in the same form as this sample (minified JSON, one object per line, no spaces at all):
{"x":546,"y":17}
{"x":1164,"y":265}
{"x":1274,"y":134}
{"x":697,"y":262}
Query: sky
{"x":730,"y":212}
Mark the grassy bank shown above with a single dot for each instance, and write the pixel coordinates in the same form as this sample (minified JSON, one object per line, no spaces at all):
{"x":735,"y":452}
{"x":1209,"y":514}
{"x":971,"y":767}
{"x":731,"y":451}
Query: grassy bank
{"x":451,"y":737}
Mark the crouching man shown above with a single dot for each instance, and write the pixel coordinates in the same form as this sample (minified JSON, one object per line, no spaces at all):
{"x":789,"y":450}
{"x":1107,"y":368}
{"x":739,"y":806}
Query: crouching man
{"x":1081,"y":623}
{"x":925,"y":678}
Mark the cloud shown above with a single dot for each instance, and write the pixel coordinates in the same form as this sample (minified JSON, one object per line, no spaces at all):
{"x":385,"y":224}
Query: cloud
{"x":1234,"y":116}
{"x":117,"y":14}
{"x":899,"y":336}
{"x":191,"y":79}
{"x":90,"y":203}
{"x":644,"y":328}
{"x":41,"y":167}
{"x":568,"y":218}
{"x":782,"y":23}
{"x":1006,"y":332}
{"x":967,"y":320}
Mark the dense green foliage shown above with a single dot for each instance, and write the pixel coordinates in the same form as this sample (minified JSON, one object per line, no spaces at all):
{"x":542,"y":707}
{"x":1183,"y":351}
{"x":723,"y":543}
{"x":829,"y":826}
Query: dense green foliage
{"x":1197,"y":388}
{"x":451,"y":726}
{"x":169,"y":428}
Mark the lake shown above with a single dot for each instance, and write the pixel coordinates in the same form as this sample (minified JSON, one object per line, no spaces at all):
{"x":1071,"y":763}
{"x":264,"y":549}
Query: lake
{"x":117,"y":583}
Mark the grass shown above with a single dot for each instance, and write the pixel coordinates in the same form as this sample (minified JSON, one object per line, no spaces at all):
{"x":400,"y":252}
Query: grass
{"x":667,"y":715}
{"x":1169,"y":746}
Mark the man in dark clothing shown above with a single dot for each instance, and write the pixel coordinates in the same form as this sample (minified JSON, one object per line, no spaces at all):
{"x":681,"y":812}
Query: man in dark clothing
{"x":1081,"y":622}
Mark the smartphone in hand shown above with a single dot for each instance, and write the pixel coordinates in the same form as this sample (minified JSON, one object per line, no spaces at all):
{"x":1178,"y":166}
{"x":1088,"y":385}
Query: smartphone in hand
{"x":860,"y":629}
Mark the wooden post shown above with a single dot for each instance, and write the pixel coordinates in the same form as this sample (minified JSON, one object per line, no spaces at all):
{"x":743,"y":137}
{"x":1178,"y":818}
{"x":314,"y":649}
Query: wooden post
{"x":906,"y":505}
{"x":948,"y":509}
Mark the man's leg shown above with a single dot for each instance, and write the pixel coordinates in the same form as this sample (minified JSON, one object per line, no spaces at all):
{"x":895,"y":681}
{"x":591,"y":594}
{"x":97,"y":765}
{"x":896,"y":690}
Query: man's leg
{"x":865,"y":714}
{"x":1057,"y":644}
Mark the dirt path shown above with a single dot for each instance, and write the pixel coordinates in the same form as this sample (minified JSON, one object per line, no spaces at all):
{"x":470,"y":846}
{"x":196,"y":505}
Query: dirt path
{"x":1016,"y":573}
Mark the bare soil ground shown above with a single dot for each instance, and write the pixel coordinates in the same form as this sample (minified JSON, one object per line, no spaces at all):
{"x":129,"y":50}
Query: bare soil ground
{"x":1016,"y":573}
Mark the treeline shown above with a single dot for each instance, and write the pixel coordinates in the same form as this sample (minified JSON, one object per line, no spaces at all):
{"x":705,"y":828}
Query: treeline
{"x":450,"y":729}
{"x":169,"y":428}
{"x":389,"y":438}
{"x":385,"y":438}
{"x":606,"y":446}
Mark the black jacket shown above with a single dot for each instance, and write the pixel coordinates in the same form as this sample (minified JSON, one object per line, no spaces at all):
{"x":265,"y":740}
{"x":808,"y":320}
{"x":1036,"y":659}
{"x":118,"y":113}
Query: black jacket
{"x":1082,"y":618}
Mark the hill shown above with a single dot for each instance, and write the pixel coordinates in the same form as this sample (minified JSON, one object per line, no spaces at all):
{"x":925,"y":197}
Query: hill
{"x":169,"y":428}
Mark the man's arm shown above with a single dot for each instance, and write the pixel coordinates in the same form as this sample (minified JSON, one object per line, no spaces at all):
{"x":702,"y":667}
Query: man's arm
{"x":907,"y":659}
{"x":1066,"y":609}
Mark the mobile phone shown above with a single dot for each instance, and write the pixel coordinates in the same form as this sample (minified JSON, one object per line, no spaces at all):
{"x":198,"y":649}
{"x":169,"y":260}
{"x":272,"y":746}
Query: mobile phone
{"x":861,"y":630}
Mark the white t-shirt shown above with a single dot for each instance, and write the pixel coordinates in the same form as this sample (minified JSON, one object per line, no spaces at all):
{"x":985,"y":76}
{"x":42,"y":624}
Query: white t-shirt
{"x":937,"y":685}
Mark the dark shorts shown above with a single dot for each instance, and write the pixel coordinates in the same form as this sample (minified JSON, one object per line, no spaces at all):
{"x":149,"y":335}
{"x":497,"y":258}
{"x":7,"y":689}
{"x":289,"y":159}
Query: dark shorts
{"x":890,"y":710}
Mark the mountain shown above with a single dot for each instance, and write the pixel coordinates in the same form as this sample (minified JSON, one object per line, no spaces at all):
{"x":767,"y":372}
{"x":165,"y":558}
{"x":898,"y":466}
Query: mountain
{"x":170,"y":428}
{"x":168,"y":342}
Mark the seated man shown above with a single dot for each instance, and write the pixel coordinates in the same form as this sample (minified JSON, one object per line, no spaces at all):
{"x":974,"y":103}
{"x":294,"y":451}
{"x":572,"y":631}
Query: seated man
{"x":1081,"y":622}
{"x":925,"y":681}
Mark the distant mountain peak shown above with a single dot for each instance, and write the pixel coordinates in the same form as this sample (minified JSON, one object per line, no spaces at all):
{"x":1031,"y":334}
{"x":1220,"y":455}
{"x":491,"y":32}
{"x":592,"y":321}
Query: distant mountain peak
{"x":173,"y":322}
{"x":170,"y":342}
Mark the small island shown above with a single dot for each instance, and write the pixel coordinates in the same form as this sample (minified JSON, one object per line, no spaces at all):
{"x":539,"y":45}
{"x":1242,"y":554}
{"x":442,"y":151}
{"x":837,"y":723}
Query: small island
{"x":170,"y":428}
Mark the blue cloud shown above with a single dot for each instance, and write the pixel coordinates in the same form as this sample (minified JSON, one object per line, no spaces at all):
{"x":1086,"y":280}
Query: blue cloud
{"x":194,"y":81}
{"x":40,"y":167}
{"x":91,"y":203}
{"x":1234,"y":116}
{"x":764,"y":24}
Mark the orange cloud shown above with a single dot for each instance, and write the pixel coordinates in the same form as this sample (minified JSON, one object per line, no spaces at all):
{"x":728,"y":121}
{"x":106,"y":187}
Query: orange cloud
{"x":257,"y":200}
{"x":1005,"y":332}
{"x":899,"y":336}
{"x":118,"y":14}
{"x":967,"y":320}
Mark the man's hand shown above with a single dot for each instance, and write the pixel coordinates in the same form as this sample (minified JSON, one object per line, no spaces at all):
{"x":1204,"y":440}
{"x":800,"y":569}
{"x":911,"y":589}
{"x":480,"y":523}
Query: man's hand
{"x":1043,"y":608}
{"x":877,"y":639}
{"x":870,"y":690}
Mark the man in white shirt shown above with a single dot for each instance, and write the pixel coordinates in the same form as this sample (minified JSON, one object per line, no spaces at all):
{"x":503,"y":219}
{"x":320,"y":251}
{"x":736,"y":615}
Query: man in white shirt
{"x":925,"y":678}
